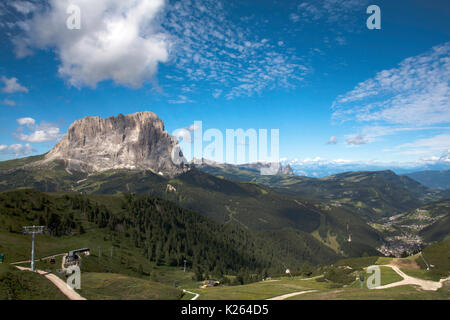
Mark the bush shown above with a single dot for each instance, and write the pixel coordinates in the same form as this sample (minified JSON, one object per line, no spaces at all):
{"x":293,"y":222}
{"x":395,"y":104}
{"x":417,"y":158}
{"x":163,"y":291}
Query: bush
{"x":339,"y":275}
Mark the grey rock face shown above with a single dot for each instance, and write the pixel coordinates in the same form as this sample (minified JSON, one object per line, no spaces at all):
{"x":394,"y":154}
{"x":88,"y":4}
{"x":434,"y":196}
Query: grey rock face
{"x":287,"y":170}
{"x":137,"y":141}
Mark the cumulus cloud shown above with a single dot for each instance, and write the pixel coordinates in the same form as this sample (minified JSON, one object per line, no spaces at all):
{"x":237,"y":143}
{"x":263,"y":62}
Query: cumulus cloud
{"x":17,"y":149}
{"x":29,"y":131}
{"x":12,"y":85}
{"x":414,"y":93}
{"x":125,"y":41}
{"x":29,"y":122}
{"x":118,"y":40}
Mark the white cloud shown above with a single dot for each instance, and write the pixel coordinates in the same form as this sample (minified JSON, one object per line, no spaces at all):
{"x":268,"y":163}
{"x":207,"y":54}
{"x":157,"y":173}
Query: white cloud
{"x":17,"y":149}
{"x":26,"y":121}
{"x":124,"y":41}
{"x":12,"y":85}
{"x":357,"y":140}
{"x":427,"y":147}
{"x":317,"y":161}
{"x":373,"y":133}
{"x":180,"y":99}
{"x":217,"y":93}
{"x":9,"y":102}
{"x":333,"y":12}
{"x":431,"y":159}
{"x":210,"y":46}
{"x":118,"y":40}
{"x":443,"y":158}
{"x":37,"y":133}
{"x":294,"y":17}
{"x":23,"y":7}
{"x":333,"y":140}
{"x":414,"y":93}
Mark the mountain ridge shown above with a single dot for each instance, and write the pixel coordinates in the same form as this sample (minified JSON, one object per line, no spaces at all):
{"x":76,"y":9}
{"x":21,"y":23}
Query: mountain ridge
{"x":135,"y":141}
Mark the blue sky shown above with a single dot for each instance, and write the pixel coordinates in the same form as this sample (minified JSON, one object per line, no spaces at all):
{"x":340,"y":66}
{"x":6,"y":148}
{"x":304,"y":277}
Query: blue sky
{"x":336,"y":90}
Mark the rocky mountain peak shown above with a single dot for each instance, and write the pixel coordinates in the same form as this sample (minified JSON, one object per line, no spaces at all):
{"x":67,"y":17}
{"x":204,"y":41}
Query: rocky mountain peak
{"x":287,"y":170}
{"x":136,"y":141}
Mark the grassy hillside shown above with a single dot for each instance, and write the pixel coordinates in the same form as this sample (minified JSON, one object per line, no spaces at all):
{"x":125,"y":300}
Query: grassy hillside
{"x":437,"y":256}
{"x":52,"y":177}
{"x":17,"y":163}
{"x":248,"y":205}
{"x":149,"y":228}
{"x":373,"y":195}
{"x":396,"y":293}
{"x":358,"y":263}
{"x":439,"y":228}
{"x":438,"y":231}
{"x":112,"y":286}
{"x":22,"y":285}
{"x":322,"y":290}
{"x":433,"y":179}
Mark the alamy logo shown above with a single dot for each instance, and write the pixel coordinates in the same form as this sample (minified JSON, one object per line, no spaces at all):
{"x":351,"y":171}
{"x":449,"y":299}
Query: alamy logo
{"x":374,"y":280}
{"x":235,"y":146}
{"x":374,"y":21}
{"x":74,"y":279}
{"x":73,"y":22}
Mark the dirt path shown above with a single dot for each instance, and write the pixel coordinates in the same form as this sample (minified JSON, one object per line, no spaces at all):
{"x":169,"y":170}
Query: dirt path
{"x":285,"y":296}
{"x":408,"y":280}
{"x":312,"y":278}
{"x":60,"y":284}
{"x":196,"y":295}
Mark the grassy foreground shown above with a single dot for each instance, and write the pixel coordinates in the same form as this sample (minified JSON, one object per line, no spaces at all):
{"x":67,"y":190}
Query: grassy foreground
{"x":23,"y":285}
{"x":107,"y":286}
{"x":325,"y":291}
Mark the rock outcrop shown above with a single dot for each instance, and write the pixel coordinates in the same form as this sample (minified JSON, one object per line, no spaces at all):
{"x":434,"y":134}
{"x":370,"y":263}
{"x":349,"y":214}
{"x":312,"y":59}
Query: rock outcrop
{"x":137,"y":141}
{"x":287,"y":170}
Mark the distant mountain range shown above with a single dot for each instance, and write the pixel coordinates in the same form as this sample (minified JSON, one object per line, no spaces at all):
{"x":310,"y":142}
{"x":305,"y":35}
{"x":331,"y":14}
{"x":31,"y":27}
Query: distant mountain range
{"x":432,"y":179}
{"x":319,"y":168}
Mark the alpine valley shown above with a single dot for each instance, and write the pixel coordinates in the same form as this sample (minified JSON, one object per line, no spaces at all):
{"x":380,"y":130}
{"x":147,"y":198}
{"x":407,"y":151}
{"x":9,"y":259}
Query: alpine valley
{"x":111,"y":184}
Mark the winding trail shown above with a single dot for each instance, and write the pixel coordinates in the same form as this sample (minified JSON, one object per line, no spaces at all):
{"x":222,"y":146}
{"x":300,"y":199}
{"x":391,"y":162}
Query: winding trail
{"x":59,"y":283}
{"x":408,"y":280}
{"x":196,"y":295}
{"x":285,"y":296}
